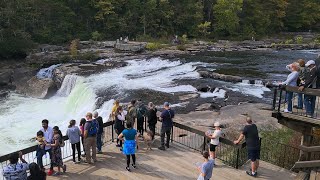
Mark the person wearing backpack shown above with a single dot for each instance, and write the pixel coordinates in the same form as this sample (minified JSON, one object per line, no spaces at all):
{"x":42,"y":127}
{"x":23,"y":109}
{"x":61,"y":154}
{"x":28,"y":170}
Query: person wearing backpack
{"x":132,"y":112}
{"x":90,"y":138}
{"x":141,"y":113}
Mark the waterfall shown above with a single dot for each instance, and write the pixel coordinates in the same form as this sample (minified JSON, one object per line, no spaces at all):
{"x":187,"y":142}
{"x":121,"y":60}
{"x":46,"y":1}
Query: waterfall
{"x":245,"y":81}
{"x":67,"y":85}
{"x":46,"y":72}
{"x":258,"y":82}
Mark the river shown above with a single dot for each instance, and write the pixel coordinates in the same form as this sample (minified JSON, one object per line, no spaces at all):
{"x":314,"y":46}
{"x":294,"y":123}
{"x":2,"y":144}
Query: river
{"x":21,"y":116}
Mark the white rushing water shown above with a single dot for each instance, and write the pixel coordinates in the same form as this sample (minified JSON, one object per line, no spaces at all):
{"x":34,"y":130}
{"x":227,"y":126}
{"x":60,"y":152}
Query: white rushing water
{"x":22,"y":116}
{"x":47,"y":72}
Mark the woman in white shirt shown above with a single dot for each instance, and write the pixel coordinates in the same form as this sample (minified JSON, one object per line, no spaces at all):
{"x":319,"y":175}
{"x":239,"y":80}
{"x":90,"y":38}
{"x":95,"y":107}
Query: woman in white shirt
{"x":215,"y":139}
{"x":291,"y":81}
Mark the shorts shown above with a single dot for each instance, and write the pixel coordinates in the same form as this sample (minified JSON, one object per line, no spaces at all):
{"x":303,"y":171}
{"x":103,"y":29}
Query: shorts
{"x":253,"y":155}
{"x":213,"y":148}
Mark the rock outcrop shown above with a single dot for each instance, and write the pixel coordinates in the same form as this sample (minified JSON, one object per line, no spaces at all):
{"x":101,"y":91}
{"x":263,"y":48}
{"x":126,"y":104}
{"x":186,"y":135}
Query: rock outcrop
{"x":131,"y":47}
{"x":37,"y":88}
{"x":218,"y":76}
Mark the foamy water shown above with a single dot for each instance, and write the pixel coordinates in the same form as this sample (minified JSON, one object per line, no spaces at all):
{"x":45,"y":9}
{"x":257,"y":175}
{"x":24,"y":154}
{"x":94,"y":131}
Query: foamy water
{"x":21,"y":116}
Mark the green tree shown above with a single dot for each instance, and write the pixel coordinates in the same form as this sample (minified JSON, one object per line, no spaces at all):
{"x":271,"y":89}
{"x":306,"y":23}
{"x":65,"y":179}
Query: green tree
{"x":204,"y":28}
{"x":226,"y":16}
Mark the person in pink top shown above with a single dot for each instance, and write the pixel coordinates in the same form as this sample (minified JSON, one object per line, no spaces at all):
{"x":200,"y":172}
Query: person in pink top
{"x":82,"y":123}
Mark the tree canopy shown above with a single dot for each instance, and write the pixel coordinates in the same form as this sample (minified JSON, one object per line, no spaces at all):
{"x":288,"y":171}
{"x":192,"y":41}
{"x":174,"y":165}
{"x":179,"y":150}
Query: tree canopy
{"x":25,"y":22}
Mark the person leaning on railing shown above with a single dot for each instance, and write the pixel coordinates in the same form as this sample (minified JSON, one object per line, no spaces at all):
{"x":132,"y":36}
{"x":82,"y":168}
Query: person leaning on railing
{"x":250,"y":133}
{"x":311,"y":81}
{"x":291,"y":81}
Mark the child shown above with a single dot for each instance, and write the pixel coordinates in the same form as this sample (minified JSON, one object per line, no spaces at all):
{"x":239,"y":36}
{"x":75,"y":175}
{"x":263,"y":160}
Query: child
{"x":82,"y":123}
{"x":41,"y":144}
{"x":215,"y":139}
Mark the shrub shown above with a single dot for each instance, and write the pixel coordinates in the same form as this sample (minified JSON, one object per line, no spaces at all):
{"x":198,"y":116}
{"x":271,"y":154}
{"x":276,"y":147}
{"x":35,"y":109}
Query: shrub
{"x":91,"y":56}
{"x":74,"y":48}
{"x":289,"y":41}
{"x":184,"y":39}
{"x":96,"y":36}
{"x":154,"y":46}
{"x":181,"y":47}
{"x":299,"y":39}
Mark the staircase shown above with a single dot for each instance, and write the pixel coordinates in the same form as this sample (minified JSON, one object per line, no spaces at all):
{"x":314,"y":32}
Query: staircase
{"x":309,"y":169}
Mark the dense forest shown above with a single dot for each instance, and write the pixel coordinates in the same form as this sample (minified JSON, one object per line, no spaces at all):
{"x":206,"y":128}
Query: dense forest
{"x":26,"y":22}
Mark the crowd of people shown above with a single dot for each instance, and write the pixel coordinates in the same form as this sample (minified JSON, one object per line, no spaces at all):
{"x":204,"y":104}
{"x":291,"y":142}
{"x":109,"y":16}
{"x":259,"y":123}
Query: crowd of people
{"x":89,"y":134}
{"x":304,"y":75}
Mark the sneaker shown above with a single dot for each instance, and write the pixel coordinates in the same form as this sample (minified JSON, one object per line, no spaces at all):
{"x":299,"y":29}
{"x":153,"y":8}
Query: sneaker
{"x":94,"y":160}
{"x":99,"y":152}
{"x":64,"y":167}
{"x":167,"y":145}
{"x":83,"y":155}
{"x":287,"y":111}
{"x":50,"y":172}
{"x":251,"y":174}
{"x":118,"y":145}
{"x":87,"y":162}
{"x":134,"y":166}
{"x":162,"y":148}
{"x":128,"y":169}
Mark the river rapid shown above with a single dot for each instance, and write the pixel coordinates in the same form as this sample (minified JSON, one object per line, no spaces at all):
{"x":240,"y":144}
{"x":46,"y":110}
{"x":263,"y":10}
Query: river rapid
{"x":21,"y":116}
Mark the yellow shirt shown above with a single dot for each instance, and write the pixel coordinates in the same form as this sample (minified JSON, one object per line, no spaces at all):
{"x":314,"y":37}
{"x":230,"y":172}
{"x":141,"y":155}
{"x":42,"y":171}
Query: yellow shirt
{"x":40,"y":140}
{"x":113,"y":111}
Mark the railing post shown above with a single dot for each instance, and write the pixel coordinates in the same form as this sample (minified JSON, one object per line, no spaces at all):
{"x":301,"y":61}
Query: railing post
{"x":280,"y":97}
{"x":238,"y":156}
{"x":274,"y":98}
{"x":112,"y":133}
{"x":145,"y":123}
{"x":204,"y":143}
{"x":172,"y":134}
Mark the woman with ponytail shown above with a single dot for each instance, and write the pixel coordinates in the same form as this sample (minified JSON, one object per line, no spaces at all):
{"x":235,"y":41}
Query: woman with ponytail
{"x":74,"y":134}
{"x":57,"y":141}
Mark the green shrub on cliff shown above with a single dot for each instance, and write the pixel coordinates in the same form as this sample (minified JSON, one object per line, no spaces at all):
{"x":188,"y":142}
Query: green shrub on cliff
{"x":74,"y":48}
{"x":154,"y":46}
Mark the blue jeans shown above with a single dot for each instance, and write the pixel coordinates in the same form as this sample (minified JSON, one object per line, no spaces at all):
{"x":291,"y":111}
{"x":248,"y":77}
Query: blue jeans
{"x":289,"y":96}
{"x":300,"y":100}
{"x":309,"y":102}
{"x":99,"y":142}
{"x":39,"y":158}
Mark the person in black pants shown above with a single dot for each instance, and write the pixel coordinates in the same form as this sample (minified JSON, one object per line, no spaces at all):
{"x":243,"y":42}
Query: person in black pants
{"x":141,"y":113}
{"x":130,"y":144}
{"x":74,"y":134}
{"x":119,"y":123}
{"x":152,"y":118}
{"x":167,"y":115}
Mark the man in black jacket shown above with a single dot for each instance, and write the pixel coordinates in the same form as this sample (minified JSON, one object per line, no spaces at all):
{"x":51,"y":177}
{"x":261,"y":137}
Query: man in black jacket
{"x":100,"y":131}
{"x":310,"y":82}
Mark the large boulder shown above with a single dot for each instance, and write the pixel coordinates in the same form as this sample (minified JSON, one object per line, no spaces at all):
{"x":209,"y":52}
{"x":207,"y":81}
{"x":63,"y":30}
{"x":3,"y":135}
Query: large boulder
{"x":130,"y":47}
{"x":6,"y":77}
{"x":218,"y":76}
{"x":37,"y":88}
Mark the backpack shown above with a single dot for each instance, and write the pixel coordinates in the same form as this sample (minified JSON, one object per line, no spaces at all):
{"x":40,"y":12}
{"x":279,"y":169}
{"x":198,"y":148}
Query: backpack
{"x":141,"y":111}
{"x":94,"y":127}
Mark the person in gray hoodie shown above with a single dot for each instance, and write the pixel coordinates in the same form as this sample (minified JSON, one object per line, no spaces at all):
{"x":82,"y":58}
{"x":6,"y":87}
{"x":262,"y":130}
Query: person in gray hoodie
{"x":74,"y":134}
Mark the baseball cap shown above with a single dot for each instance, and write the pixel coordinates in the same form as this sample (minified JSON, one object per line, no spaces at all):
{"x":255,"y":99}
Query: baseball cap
{"x":310,"y":62}
{"x":216,"y":124}
{"x":166,"y":104}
